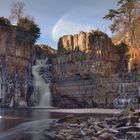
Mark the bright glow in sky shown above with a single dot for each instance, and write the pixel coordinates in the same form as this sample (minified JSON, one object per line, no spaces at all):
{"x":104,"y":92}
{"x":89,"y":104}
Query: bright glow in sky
{"x":61,"y":17}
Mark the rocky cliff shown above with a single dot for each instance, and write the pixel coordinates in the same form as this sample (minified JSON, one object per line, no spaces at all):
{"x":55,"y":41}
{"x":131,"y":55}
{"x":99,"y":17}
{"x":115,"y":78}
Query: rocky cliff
{"x":85,"y":71}
{"x":43,"y":51}
{"x":16,"y":53}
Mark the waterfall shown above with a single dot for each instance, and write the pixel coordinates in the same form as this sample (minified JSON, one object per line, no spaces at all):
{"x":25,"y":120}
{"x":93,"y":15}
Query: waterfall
{"x":42,"y":87}
{"x":0,"y":88}
{"x":124,"y":85}
{"x":123,"y":99}
{"x":123,"y":92}
{"x":120,"y":89}
{"x":139,"y":90}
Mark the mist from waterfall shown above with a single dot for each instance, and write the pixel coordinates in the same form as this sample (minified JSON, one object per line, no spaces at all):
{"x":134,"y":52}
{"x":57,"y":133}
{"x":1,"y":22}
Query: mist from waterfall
{"x":42,"y":88}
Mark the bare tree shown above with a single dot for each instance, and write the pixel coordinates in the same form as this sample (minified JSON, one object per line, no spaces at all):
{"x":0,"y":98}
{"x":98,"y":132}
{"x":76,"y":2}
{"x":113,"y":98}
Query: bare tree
{"x":17,"y":10}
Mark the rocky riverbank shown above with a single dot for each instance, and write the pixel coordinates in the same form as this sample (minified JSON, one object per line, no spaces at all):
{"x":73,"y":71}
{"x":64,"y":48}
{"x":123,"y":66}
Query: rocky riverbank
{"x":124,"y":126}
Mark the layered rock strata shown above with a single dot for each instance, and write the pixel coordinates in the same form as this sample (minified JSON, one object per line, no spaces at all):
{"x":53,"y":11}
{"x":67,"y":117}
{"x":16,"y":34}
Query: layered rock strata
{"x":85,"y":71}
{"x":16,"y":51}
{"x":43,"y":51}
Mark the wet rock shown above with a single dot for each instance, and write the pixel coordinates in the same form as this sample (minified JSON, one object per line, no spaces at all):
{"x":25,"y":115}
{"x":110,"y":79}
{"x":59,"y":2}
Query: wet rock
{"x":97,"y":128}
{"x":60,"y":137}
{"x":69,"y":137}
{"x":116,"y":128}
{"x":100,"y":132}
{"x":53,"y":136}
{"x":101,"y":125}
{"x":65,"y":131}
{"x":113,"y":131}
{"x":111,"y":121}
{"x":74,"y":125}
{"x":22,"y":103}
{"x":133,"y":135}
{"x":82,"y":132}
{"x":106,"y":136}
{"x":93,"y":138}
{"x":122,"y":121}
{"x":86,"y":138}
{"x":137,"y":113}
{"x":69,"y":119}
{"x":129,"y":128}
{"x":134,"y":119}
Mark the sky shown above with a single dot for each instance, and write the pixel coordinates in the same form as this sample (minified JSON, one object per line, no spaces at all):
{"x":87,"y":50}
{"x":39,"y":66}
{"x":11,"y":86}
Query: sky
{"x":61,"y":17}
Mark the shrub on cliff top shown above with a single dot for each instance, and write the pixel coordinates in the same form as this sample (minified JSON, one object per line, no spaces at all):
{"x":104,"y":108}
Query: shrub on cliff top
{"x":97,"y":33}
{"x":30,"y":26}
{"x":4,"y":21}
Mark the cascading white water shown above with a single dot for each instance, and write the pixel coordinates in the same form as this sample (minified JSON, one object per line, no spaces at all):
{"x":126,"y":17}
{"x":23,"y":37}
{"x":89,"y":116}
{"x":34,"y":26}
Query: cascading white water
{"x":139,"y":90}
{"x":41,"y":86}
{"x":0,"y":88}
{"x":123,"y":100}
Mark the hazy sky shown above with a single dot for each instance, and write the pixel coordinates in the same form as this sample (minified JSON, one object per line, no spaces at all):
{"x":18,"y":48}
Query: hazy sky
{"x":59,"y":17}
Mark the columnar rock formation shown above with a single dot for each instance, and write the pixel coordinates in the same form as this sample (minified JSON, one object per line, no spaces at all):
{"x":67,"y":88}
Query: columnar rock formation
{"x":15,"y":66}
{"x":133,"y":52}
{"x":85,"y":72}
{"x":43,"y":51}
{"x":85,"y":42}
{"x":134,"y":61}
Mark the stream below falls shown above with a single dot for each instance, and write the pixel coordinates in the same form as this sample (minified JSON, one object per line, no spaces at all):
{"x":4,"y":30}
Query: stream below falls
{"x":15,"y":122}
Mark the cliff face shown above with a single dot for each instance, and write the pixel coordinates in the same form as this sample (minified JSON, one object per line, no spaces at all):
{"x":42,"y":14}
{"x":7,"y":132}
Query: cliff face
{"x":83,"y":70}
{"x":133,"y":49}
{"x":15,"y":66}
{"x":95,"y":50}
{"x":43,"y":51}
{"x":86,"y":72}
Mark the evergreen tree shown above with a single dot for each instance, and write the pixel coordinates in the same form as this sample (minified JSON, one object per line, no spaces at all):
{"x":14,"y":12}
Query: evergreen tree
{"x":4,"y":21}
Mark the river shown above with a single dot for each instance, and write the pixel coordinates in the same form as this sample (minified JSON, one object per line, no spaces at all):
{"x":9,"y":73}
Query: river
{"x":13,"y":122}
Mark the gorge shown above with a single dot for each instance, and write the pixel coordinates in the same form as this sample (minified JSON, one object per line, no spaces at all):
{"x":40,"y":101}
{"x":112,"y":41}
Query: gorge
{"x":69,"y":70}
{"x":88,"y":70}
{"x":85,"y":72}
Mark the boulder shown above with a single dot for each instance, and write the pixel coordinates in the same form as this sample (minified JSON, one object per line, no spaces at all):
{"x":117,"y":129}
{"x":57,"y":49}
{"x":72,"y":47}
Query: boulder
{"x":106,"y":136}
{"x":69,"y":119}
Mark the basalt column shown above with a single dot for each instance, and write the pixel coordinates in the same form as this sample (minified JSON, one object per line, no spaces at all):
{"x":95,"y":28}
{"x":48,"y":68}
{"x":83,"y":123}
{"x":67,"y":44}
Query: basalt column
{"x":84,"y":71}
{"x":16,"y":83}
